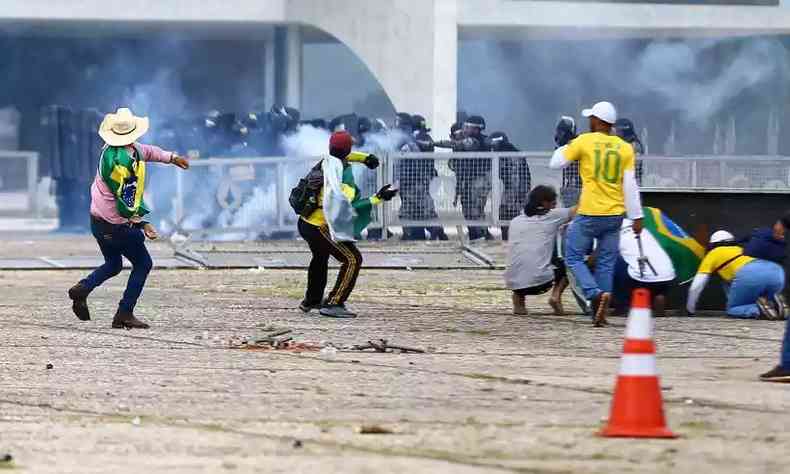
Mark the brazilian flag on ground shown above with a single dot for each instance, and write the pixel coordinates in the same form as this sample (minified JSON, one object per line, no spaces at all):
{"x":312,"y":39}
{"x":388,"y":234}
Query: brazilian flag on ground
{"x":686,"y":253}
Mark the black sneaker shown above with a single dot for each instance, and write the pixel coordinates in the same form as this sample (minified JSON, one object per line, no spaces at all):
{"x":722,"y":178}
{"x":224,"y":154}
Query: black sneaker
{"x":777,"y":374}
{"x":600,"y":306}
{"x":336,"y":311}
{"x":307,"y":307}
{"x":781,"y":305}
{"x":79,"y":301}
{"x":767,"y":309}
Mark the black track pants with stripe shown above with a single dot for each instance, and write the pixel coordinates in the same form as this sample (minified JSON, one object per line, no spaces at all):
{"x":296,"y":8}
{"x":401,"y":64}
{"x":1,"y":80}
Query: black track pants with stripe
{"x":322,"y":246}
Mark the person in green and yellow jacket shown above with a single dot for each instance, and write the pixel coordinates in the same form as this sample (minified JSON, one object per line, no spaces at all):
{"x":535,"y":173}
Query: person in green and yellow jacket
{"x":330,"y":229}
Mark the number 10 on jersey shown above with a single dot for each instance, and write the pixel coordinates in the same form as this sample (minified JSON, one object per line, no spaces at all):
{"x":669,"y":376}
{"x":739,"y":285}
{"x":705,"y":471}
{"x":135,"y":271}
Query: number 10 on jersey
{"x":607,"y":168}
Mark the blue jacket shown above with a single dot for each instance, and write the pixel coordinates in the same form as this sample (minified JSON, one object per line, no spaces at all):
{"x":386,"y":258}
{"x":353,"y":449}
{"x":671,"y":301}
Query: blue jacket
{"x":762,"y":245}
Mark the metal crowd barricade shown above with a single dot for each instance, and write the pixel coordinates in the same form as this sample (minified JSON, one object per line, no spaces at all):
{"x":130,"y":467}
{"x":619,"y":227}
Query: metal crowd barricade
{"x":730,"y":174}
{"x":11,"y":186}
{"x":246,"y":198}
{"x":448,"y":189}
{"x":237,"y":198}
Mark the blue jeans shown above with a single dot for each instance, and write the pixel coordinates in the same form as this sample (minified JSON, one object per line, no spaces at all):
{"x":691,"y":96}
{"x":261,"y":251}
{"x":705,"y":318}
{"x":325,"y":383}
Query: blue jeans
{"x":583,"y":231}
{"x":755,"y":279}
{"x":116,"y":241}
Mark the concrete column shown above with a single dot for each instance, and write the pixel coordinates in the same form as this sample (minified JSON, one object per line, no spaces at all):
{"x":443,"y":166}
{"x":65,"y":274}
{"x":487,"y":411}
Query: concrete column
{"x":293,"y":67}
{"x":445,"y":66}
{"x":269,"y":71}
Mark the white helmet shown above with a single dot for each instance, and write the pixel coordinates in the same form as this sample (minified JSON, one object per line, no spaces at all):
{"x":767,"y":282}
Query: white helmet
{"x":721,"y":236}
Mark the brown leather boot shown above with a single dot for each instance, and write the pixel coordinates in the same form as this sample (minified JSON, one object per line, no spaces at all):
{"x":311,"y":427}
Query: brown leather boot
{"x":126,"y":320}
{"x":79,"y":301}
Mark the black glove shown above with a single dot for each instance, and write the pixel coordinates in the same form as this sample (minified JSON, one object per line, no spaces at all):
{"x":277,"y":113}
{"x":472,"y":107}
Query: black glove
{"x":371,"y":161}
{"x":565,"y":131}
{"x":385,"y":193}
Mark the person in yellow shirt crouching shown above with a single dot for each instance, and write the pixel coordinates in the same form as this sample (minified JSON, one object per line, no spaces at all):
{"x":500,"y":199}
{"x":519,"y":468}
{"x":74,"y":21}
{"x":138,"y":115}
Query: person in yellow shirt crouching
{"x":749,"y":282}
{"x":609,"y":190}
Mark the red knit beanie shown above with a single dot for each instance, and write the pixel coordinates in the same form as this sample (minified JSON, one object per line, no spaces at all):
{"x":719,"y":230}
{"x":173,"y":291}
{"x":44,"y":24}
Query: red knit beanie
{"x":340,"y":144}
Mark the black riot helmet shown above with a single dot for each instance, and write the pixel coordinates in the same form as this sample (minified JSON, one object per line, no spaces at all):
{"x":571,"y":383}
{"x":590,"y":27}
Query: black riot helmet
{"x":474,"y":125}
{"x":364,"y":125}
{"x":420,"y":124}
{"x":403,"y":122}
{"x":565,"y":131}
{"x":624,"y":128}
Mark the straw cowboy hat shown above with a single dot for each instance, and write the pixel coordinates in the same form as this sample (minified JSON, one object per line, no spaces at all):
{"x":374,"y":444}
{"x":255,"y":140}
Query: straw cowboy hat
{"x":122,"y":128}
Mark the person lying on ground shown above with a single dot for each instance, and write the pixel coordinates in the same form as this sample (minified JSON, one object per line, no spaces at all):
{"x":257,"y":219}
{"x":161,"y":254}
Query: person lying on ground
{"x":531,"y":268}
{"x":753,"y":286}
{"x":650,"y":268}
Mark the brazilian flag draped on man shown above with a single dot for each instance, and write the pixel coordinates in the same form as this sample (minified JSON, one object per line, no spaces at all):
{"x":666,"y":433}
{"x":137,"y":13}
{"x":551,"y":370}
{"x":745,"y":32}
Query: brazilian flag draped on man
{"x":125,"y":176}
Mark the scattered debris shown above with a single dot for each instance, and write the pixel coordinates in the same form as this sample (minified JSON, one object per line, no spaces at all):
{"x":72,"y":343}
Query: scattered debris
{"x":374,"y":429}
{"x":136,"y":421}
{"x":689,"y":401}
{"x":384,"y":346}
{"x":50,"y":366}
{"x":273,"y":338}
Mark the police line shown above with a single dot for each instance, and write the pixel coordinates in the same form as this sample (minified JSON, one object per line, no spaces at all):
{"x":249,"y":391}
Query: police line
{"x":247,"y":198}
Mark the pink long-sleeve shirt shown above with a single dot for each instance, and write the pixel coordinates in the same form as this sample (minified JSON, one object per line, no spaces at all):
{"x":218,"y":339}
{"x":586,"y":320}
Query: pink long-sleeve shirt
{"x":103,"y":200}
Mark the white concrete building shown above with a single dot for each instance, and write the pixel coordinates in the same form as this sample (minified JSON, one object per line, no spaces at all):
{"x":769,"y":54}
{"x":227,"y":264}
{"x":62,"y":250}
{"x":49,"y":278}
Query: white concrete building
{"x":378,"y":31}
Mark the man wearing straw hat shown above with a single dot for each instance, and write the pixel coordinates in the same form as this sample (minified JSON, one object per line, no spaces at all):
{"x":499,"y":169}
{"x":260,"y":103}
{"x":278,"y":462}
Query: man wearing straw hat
{"x":117,"y":211}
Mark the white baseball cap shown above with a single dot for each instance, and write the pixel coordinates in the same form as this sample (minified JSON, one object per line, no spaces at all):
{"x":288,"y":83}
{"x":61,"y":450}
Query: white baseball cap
{"x":604,"y":111}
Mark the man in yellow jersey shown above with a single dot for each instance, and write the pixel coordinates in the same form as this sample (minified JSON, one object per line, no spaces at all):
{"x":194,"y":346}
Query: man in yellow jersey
{"x":750,"y":282}
{"x":330,"y":228}
{"x":609,"y":190}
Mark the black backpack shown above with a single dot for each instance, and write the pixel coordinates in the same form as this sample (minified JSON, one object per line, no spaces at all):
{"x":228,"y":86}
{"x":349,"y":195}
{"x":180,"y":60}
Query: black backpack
{"x":304,"y":196}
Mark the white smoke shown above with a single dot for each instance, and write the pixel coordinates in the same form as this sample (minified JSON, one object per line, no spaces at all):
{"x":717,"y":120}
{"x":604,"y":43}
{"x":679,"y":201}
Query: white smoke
{"x":306,"y":141}
{"x":522,"y":87}
{"x":672,"y":70}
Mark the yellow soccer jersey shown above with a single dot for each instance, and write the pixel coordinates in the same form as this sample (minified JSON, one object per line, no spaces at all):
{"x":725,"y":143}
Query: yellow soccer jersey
{"x":603,"y":159}
{"x":716,"y":258}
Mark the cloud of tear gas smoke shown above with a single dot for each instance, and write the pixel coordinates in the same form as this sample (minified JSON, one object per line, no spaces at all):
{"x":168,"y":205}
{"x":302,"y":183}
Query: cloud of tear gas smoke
{"x":306,"y":141}
{"x":523,"y":87}
{"x":676,"y":72}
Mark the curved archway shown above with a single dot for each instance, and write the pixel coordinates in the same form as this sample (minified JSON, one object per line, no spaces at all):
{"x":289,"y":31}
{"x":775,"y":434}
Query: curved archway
{"x":412,"y":54}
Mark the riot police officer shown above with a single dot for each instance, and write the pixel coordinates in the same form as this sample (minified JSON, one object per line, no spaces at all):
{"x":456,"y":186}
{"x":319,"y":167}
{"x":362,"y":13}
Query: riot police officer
{"x":472,"y":175}
{"x":409,"y":173}
{"x":571,"y":187}
{"x":624,"y":128}
{"x":427,"y":173}
{"x":515,"y":177}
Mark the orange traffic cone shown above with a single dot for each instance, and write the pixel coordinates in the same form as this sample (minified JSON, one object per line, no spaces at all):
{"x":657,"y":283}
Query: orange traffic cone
{"x":637,"y":407}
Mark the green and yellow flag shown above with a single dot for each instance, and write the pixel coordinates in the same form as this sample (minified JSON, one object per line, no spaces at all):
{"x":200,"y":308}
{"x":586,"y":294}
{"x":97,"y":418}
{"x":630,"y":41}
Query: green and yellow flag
{"x":685,"y":252}
{"x":125,"y":176}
